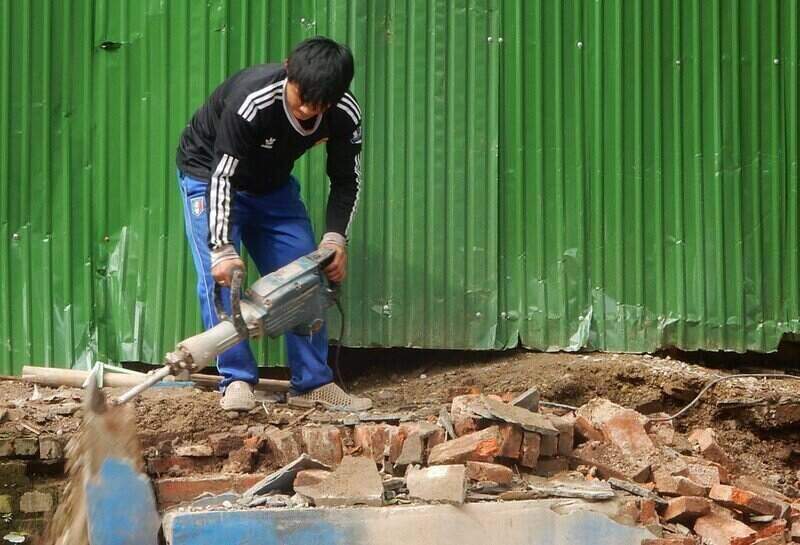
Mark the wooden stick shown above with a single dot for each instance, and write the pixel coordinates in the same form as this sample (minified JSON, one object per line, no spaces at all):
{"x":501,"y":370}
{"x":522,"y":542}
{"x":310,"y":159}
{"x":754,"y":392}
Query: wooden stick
{"x":50,"y":376}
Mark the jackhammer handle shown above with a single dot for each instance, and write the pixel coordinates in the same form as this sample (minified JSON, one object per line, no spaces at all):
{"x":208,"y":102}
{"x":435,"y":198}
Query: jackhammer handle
{"x":236,"y":307}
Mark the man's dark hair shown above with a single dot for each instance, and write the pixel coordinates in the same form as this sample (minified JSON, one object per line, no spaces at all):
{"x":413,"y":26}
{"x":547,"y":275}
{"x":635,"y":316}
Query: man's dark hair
{"x":322,"y":69}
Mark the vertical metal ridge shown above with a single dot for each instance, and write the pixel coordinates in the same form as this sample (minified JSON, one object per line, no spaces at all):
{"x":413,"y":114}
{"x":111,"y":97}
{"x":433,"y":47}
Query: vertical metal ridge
{"x":8,"y":339}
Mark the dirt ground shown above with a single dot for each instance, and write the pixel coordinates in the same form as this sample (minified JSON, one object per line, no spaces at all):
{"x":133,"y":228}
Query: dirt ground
{"x":761,"y":439}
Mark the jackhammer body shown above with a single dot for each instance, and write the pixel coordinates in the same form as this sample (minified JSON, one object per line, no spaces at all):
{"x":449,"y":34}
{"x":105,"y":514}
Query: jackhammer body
{"x":293,"y":298}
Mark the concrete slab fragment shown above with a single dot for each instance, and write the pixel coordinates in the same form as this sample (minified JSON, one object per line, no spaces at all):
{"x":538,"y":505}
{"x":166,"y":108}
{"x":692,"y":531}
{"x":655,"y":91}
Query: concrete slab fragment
{"x":514,"y":523}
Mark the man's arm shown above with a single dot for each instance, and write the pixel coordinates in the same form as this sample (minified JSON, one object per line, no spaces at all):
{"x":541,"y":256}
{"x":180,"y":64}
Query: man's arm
{"x":235,"y":137}
{"x":344,"y":171}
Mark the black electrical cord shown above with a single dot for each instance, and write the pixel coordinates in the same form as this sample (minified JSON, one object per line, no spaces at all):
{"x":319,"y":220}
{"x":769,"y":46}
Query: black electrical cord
{"x":339,"y":345}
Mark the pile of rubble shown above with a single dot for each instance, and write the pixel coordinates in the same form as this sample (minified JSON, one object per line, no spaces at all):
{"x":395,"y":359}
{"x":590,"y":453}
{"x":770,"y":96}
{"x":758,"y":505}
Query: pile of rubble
{"x":684,"y":489}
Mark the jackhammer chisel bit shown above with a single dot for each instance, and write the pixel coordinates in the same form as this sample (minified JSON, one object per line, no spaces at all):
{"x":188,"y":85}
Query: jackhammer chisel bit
{"x":293,"y":298}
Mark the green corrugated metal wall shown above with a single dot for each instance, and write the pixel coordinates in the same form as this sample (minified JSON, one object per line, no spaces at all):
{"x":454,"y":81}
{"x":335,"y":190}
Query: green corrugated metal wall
{"x":611,"y":174}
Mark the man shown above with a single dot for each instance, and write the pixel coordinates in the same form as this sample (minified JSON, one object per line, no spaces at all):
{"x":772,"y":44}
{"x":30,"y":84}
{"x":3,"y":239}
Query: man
{"x":235,"y":162}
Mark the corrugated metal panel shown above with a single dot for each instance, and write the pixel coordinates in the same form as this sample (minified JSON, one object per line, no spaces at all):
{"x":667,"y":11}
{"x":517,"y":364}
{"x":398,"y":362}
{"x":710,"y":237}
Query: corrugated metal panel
{"x":613,"y":175}
{"x":649,"y":183}
{"x":93,"y":98}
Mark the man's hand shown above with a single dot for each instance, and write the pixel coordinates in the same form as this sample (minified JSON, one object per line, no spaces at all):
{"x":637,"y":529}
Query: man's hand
{"x":337,"y":269}
{"x":223,"y":262}
{"x":223,"y":271}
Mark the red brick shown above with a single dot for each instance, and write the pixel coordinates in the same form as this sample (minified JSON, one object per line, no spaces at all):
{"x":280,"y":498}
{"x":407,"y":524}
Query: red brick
{"x":770,"y":528}
{"x":483,"y":471}
{"x":372,"y":439}
{"x":512,"y":440}
{"x":480,"y":446}
{"x":529,"y":453}
{"x":323,"y":443}
{"x":684,"y":540}
{"x":746,"y":501}
{"x":776,"y":539}
{"x":686,"y":508}
{"x":310,"y":477}
{"x":647,"y":512}
{"x":436,"y":438}
{"x":172,"y":491}
{"x":255,"y":442}
{"x":566,"y":433}
{"x":706,"y":441}
{"x":721,"y":530}
{"x":283,"y":445}
{"x":223,"y":443}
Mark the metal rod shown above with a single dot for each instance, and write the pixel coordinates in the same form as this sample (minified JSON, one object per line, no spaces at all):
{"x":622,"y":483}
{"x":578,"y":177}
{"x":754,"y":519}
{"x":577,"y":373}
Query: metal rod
{"x":149,"y":381}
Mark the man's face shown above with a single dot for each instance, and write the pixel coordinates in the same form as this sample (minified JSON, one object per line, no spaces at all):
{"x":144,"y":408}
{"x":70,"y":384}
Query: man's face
{"x":300,"y":109}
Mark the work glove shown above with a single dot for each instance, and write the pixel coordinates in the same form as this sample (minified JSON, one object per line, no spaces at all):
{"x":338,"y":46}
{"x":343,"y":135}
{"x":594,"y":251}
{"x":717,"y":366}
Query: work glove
{"x":224,"y":261}
{"x":337,"y":269}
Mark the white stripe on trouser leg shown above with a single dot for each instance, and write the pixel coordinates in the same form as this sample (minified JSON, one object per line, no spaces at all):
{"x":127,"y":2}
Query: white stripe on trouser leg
{"x":220,"y":200}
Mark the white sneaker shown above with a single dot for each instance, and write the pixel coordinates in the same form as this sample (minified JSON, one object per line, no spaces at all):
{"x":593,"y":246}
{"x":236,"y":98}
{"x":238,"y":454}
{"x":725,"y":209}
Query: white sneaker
{"x":238,"y":396}
{"x":330,"y":396}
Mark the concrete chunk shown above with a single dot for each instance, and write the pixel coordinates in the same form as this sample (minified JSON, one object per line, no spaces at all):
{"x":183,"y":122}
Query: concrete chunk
{"x":479,"y":446}
{"x":612,"y":462}
{"x":529,"y":399}
{"x":36,"y":502}
{"x":675,"y":485}
{"x":529,"y":421}
{"x":446,"y":483}
{"x":194,"y":451}
{"x":355,"y":482}
{"x":412,"y":451}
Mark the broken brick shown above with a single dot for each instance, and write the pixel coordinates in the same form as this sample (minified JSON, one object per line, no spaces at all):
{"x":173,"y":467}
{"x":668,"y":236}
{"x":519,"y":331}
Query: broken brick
{"x":707,"y":443}
{"x":223,"y":443}
{"x":355,"y":482}
{"x":621,"y":427}
{"x":194,"y":451}
{"x":444,"y":483}
{"x":675,"y":485}
{"x":283,"y":445}
{"x":529,"y":452}
{"x":611,"y":462}
{"x":6,"y":445}
{"x":770,"y":528}
{"x":566,"y":433}
{"x":412,"y":451}
{"x":585,"y":429}
{"x":512,"y":440}
{"x":310,"y":477}
{"x":323,"y":443}
{"x":746,"y":501}
{"x":647,"y":512}
{"x":26,"y":446}
{"x":675,"y":540}
{"x":436,"y":438}
{"x":704,"y":475}
{"x":718,"y":529}
{"x":686,"y":508}
{"x":50,"y":448}
{"x":794,"y":532}
{"x":548,"y":467}
{"x":464,"y":420}
{"x":372,"y":439}
{"x":479,"y":446}
{"x":36,"y":502}
{"x":548,"y":445}
{"x":174,"y":490}
{"x":484,"y":471}
{"x":771,"y":540}
{"x":255,"y":441}
{"x":241,"y":460}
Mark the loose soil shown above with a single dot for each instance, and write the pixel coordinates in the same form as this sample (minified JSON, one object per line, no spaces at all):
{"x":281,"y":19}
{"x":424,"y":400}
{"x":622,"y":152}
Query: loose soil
{"x":418,"y":383}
